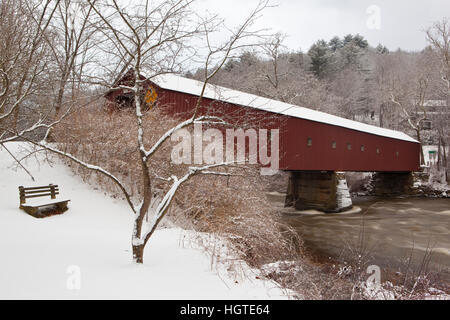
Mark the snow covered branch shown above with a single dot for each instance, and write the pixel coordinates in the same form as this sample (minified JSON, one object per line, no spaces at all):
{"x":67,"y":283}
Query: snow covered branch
{"x":161,"y":209}
{"x":86,"y":165}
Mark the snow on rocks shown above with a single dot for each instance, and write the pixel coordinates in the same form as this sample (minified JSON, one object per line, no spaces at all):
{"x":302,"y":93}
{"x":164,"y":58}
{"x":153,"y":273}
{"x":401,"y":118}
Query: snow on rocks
{"x":344,"y":200}
{"x":86,"y":253}
{"x":436,"y":294}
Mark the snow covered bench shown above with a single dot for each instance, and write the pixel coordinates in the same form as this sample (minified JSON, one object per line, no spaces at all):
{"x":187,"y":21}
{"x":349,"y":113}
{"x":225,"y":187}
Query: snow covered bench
{"x":57,"y":206}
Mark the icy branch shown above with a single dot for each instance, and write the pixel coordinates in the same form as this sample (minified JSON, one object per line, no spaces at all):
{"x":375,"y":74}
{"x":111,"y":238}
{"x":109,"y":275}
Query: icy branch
{"x":91,"y":167}
{"x":161,"y":209}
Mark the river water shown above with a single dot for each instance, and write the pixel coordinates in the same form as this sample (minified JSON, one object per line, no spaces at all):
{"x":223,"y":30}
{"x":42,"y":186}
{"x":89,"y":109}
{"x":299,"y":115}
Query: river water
{"x":386,"y":232}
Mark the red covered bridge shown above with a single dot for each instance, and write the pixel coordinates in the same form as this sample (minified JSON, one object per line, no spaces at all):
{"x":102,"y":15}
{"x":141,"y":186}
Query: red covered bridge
{"x":311,"y":142}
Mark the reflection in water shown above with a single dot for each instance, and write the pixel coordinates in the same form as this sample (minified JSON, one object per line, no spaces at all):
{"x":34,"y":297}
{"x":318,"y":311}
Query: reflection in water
{"x":390,"y":229}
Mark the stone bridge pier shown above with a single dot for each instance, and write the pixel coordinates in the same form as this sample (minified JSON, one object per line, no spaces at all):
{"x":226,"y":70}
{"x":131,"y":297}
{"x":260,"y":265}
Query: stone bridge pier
{"x":321,"y":190}
{"x":392,"y":183}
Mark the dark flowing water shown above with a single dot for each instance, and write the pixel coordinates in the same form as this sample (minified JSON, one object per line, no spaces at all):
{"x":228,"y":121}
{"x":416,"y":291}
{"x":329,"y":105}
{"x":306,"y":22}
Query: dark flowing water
{"x":389,"y":230}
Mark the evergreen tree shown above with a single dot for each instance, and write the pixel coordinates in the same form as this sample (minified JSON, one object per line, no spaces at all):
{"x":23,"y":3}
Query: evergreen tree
{"x":380,"y":49}
{"x":360,"y":41}
{"x":350,"y":55}
{"x":320,"y":58}
{"x":351,"y":52}
{"x":335,"y":44}
{"x":347,"y":39}
{"x":248,"y":58}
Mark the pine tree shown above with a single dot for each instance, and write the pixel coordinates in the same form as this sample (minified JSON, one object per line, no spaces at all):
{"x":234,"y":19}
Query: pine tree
{"x":360,"y":41}
{"x":380,"y":49}
{"x":335,"y":44}
{"x":351,"y":54}
{"x":347,"y":39}
{"x":320,"y":58}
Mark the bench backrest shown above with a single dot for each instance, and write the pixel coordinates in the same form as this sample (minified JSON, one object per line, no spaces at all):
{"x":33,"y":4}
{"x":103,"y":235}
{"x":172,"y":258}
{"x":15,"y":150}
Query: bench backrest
{"x":34,"y":192}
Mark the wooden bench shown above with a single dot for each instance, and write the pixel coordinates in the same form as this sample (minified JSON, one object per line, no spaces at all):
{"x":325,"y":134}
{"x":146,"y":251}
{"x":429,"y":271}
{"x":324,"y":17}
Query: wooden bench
{"x":57,"y":206}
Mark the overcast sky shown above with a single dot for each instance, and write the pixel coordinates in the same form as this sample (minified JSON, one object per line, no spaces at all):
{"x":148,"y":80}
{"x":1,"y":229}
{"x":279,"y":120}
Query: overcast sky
{"x":394,"y":23}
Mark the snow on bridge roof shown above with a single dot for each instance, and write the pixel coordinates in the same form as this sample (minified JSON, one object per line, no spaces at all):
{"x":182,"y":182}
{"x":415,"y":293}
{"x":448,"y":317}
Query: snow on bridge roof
{"x":180,"y":84}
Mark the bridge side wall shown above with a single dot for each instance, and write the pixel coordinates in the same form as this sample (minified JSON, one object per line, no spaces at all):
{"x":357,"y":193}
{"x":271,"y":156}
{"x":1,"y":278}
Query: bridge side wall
{"x":329,"y":148}
{"x":314,"y":146}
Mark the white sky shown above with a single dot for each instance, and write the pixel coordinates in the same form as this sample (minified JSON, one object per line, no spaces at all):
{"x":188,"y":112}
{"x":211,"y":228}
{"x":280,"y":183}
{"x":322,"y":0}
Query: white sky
{"x":402,"y":22}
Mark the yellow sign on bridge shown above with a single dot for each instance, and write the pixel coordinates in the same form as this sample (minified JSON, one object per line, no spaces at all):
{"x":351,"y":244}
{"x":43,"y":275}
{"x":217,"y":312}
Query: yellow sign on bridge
{"x":150,"y":96}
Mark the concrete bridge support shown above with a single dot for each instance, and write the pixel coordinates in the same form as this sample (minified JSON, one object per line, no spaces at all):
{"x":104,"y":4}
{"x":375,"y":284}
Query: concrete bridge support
{"x":321,"y":190}
{"x":392,"y":183}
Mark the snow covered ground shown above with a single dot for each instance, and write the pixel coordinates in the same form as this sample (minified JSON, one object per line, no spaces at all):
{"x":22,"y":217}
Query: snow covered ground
{"x":85,"y":253}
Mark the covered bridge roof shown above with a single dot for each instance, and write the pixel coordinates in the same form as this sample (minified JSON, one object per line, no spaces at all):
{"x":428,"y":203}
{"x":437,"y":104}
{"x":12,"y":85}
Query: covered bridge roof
{"x":180,"y":84}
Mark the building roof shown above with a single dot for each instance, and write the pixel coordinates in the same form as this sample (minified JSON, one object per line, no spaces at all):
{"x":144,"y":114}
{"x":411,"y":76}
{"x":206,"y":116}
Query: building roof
{"x":180,"y":84}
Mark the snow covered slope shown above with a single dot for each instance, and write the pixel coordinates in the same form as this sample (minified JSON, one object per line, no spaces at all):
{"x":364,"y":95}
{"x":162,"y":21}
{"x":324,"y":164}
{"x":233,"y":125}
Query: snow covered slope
{"x":39,"y":257}
{"x":181,"y":84}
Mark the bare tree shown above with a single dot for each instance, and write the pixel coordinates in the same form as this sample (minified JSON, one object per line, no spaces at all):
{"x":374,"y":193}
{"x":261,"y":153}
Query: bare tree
{"x":273,"y":49}
{"x":24,"y":71}
{"x":282,"y":78}
{"x":439,"y":37}
{"x":409,"y":88}
{"x":70,"y":41}
{"x":275,"y":73}
{"x":152,"y":38}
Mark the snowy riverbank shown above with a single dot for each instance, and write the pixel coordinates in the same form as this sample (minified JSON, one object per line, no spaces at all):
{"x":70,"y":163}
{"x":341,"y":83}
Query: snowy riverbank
{"x":40,"y":257}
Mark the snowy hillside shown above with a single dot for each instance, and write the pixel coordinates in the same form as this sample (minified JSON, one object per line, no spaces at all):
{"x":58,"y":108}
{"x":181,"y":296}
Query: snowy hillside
{"x":40,"y":257}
